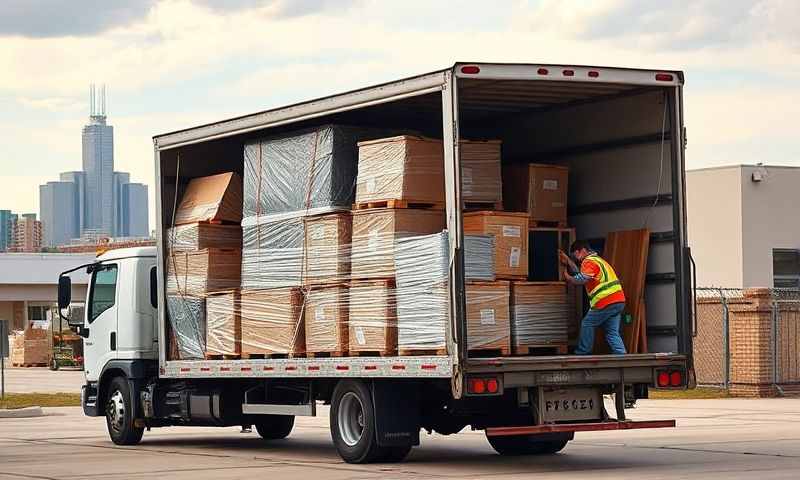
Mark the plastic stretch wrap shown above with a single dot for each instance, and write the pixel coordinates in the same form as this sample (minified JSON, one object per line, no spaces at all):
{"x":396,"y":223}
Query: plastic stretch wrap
{"x":488,"y":316}
{"x":199,"y":236}
{"x":326,"y":319}
{"x":373,"y":317}
{"x":272,"y":253}
{"x":479,"y":257}
{"x":223,"y":323}
{"x":212,"y":198}
{"x":510,"y":232}
{"x":401,"y":168}
{"x":272,"y":321}
{"x":311,"y":169}
{"x":539,"y":314}
{"x":327,"y":244}
{"x":197,"y":273}
{"x":481,"y":171}
{"x":187,"y":317}
{"x":376,"y":231}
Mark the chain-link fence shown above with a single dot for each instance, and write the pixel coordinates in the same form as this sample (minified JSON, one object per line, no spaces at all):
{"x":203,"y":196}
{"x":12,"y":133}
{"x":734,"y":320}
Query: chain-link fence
{"x":748,"y":339}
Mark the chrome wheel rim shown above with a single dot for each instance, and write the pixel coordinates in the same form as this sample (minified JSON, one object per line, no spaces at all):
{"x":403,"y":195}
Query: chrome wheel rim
{"x":115,"y":411}
{"x":351,"y":419}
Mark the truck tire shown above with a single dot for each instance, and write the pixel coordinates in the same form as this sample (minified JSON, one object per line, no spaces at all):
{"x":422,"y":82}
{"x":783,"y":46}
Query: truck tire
{"x":119,"y":414}
{"x":526,"y":445}
{"x":353,"y":423}
{"x":274,"y":427}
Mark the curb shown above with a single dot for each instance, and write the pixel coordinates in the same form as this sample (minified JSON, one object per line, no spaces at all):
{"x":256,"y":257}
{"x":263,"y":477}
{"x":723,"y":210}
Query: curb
{"x":27,"y":412}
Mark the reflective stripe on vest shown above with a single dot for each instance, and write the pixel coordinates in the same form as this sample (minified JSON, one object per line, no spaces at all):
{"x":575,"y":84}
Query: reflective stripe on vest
{"x":608,"y":284}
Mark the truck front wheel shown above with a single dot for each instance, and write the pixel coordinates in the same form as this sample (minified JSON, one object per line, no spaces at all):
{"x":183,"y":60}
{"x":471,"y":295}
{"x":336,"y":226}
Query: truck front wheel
{"x":529,"y":444}
{"x":353,"y":423}
{"x":274,"y":427}
{"x":120,"y":415}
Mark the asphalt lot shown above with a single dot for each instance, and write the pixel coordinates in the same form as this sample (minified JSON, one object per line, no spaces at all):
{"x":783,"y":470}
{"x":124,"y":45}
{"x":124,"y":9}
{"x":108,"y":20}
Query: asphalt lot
{"x":716,"y":439}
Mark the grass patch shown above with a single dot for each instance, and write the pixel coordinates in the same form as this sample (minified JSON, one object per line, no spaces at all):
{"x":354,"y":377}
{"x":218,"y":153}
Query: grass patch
{"x":22,"y":400}
{"x":695,"y":394}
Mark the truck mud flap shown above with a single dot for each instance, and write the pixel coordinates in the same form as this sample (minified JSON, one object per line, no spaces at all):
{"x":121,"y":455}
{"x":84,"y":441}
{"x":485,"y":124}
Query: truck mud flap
{"x":396,"y":413}
{"x":577,"y":427}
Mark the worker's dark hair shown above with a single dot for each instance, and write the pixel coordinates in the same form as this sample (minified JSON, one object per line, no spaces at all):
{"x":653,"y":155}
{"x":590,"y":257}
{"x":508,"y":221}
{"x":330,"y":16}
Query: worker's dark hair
{"x":578,"y":245}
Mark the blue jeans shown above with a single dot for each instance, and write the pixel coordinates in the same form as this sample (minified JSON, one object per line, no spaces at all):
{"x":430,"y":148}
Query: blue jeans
{"x":609,"y":319}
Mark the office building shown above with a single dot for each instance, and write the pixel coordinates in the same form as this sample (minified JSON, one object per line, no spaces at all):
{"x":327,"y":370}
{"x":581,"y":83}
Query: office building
{"x":26,"y":233}
{"x":5,"y":229}
{"x":57,"y":206}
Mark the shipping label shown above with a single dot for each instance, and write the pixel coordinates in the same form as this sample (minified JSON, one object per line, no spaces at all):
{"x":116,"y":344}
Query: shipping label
{"x":360,"y":338}
{"x":487,"y":316}
{"x":319,"y":314}
{"x":370,"y":185}
{"x":374,"y":240}
{"x":318,"y":232}
{"x":513,"y":257}
{"x":550,"y":185}
{"x":511,"y":231}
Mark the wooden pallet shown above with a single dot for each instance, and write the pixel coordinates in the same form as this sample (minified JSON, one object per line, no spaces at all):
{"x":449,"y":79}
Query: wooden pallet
{"x":516,"y":278}
{"x":533,"y":350}
{"x":326,"y":354}
{"x":222,"y":356}
{"x":396,"y":203}
{"x":28,"y":365}
{"x":490,"y":352}
{"x":411,"y":352}
{"x":546,"y":224}
{"x":475,"y":206}
{"x":374,"y":353}
{"x":255,"y":356}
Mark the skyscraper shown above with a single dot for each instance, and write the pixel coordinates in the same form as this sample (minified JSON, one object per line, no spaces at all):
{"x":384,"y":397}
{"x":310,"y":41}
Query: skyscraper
{"x":5,"y":229}
{"x":96,"y":202}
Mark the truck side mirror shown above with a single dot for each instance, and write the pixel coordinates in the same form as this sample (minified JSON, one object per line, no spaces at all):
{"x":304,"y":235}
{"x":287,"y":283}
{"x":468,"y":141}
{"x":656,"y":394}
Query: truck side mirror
{"x":64,"y":291}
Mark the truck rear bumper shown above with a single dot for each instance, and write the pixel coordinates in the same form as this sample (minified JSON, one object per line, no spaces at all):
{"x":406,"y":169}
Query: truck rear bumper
{"x":577,"y":427}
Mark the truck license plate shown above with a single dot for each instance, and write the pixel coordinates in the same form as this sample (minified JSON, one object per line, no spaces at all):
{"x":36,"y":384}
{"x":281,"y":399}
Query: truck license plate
{"x":571,"y":404}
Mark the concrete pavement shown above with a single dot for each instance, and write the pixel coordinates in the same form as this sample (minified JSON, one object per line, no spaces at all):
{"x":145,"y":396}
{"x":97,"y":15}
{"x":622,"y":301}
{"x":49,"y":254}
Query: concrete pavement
{"x":43,"y":380}
{"x":716,"y":439}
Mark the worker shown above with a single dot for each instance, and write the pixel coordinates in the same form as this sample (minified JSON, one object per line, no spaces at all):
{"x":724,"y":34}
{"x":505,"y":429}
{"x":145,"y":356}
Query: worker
{"x":606,"y":298}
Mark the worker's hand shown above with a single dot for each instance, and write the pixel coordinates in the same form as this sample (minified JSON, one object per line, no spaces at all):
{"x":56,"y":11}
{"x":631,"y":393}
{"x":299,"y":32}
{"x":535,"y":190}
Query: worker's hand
{"x":563,"y":258}
{"x":567,"y":276}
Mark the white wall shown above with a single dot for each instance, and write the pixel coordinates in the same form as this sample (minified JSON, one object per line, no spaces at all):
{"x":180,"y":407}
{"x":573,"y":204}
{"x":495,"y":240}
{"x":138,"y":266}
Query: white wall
{"x":770,"y":219}
{"x":714,"y":215}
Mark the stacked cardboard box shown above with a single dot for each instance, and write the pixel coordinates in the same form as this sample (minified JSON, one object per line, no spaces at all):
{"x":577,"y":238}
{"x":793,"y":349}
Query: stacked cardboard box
{"x":272,"y":322}
{"x":29,"y":348}
{"x":510,"y":232}
{"x":373,"y":317}
{"x":539,"y":315}
{"x":223,"y":323}
{"x":481,"y":173}
{"x":488,"y":316}
{"x":539,"y":190}
{"x":327,"y":248}
{"x":326,"y":320}
{"x":199,"y":236}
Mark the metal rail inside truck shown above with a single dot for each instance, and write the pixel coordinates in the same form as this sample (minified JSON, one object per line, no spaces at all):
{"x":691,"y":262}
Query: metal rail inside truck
{"x":620,"y":131}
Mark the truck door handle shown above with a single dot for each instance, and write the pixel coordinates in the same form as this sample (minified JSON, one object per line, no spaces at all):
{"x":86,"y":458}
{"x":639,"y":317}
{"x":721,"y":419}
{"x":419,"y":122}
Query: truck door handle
{"x":113,"y":341}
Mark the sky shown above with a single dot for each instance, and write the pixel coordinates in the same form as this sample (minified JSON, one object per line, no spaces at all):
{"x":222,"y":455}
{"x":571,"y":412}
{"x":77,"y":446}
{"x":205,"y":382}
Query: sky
{"x":172,"y":64}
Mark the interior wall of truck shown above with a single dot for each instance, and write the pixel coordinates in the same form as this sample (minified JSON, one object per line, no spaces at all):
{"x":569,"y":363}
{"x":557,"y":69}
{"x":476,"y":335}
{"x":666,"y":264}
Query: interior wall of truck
{"x":618,"y":142}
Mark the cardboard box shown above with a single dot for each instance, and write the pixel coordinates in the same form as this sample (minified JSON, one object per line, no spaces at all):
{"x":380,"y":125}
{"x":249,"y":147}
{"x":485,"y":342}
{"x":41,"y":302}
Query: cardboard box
{"x":216,"y":198}
{"x":481,"y":178}
{"x":376,"y":231}
{"x":272,"y":321}
{"x":197,"y":273}
{"x":540,"y":190}
{"x":199,"y":236}
{"x":510,"y":232}
{"x":223,"y":323}
{"x":540,"y":314}
{"x":488,"y":316}
{"x":401,"y":168}
{"x":29,"y":348}
{"x":327,"y":244}
{"x":373,"y":317}
{"x":326,"y":318}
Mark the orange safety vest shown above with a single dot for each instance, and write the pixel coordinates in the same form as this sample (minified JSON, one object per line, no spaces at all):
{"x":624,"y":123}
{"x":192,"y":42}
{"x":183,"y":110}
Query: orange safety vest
{"x":605,"y":287}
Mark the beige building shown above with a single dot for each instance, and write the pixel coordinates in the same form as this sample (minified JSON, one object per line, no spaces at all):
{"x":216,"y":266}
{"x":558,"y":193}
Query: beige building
{"x":26,"y":234}
{"x":29,"y":285}
{"x":744,"y":225}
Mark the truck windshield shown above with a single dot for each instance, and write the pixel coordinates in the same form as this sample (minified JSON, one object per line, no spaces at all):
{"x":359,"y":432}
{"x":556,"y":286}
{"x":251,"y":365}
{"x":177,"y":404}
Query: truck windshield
{"x":104,"y":291}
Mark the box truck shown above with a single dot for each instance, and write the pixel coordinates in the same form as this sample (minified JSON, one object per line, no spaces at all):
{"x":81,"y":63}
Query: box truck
{"x":620,"y":133}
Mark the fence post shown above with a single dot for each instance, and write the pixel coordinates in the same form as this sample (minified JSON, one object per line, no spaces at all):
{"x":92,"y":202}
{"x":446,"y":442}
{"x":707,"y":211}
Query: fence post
{"x":726,"y":344}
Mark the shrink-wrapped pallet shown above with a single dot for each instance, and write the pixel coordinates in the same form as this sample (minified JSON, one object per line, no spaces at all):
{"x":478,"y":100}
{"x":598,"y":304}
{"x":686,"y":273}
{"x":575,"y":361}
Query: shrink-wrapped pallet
{"x":376,"y":231}
{"x":481,"y":172}
{"x":479,"y":257}
{"x":272,"y":253}
{"x":326,"y":320}
{"x":327,"y":248}
{"x":187,"y":317}
{"x":404,"y":168}
{"x":216,"y":198}
{"x":309,"y":170}
{"x":540,"y":314}
{"x":199,"y":236}
{"x":488,"y":316}
{"x":223,"y":323}
{"x":510,"y":232}
{"x":272,"y":322}
{"x":29,"y":348}
{"x":196,"y":273}
{"x":373,"y":317}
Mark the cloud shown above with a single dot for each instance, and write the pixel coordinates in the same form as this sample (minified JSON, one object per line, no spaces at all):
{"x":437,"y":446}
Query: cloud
{"x":58,"y":18}
{"x":278,"y":8}
{"x":52,"y":103}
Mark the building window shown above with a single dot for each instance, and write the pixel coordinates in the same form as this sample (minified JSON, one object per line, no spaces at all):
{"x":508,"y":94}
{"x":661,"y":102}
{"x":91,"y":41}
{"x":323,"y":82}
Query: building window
{"x":37,"y":313}
{"x":786,"y":268}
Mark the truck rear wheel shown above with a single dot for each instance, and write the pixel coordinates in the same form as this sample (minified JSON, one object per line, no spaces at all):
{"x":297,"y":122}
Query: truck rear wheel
{"x":274,"y":427}
{"x":353,"y":423}
{"x":527,"y":444}
{"x":120,"y":415}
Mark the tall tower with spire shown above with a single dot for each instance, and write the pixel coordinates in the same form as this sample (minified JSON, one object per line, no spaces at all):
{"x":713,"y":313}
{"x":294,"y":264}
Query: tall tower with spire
{"x":98,"y":165}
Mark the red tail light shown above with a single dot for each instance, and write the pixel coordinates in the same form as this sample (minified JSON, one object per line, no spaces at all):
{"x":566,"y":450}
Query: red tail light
{"x":675,"y":379}
{"x":542,"y":71}
{"x":568,"y":73}
{"x":664,"y":77}
{"x":470,"y":69}
{"x":663,"y":379}
{"x":477,"y":386}
{"x":492,"y":386}
{"x":594,"y":73}
{"x":484,"y":386}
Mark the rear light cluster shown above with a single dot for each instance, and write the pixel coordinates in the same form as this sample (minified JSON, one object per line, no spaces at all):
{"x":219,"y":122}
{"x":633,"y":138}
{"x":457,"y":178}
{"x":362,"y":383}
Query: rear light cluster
{"x":670,"y":379}
{"x":483,"y":386}
{"x":664,"y":77}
